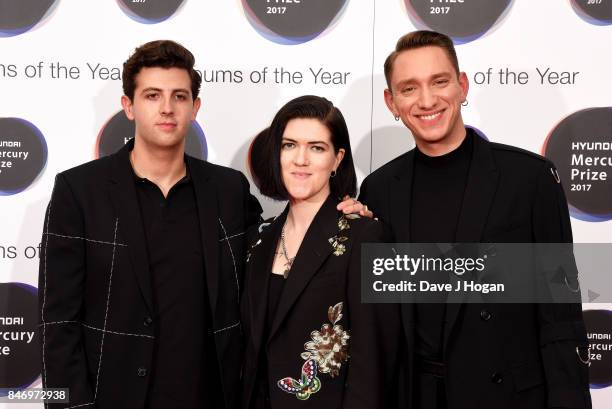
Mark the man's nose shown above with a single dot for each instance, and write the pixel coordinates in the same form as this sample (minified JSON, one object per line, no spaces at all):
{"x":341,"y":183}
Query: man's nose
{"x":167,"y":106}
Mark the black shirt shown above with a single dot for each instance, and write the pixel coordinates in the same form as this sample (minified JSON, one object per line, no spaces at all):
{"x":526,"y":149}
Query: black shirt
{"x":275,"y":291}
{"x":437,"y":195}
{"x":184,"y":362}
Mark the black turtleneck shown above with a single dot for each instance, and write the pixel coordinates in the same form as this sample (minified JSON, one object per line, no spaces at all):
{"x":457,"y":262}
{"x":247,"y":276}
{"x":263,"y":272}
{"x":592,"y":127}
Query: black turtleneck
{"x":438,"y":186}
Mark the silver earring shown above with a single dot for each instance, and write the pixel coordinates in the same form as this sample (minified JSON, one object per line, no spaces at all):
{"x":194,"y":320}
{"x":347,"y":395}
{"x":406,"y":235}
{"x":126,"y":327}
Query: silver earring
{"x":464,"y":103}
{"x":396,"y":117}
{"x":333,"y":174}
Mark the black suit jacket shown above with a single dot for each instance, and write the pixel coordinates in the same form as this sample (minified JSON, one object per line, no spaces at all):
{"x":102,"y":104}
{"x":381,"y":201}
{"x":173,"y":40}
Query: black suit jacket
{"x":97,"y":322}
{"x":322,"y":275}
{"x":500,"y":355}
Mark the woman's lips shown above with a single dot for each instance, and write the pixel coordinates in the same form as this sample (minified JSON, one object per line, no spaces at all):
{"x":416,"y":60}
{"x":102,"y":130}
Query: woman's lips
{"x":300,"y":175}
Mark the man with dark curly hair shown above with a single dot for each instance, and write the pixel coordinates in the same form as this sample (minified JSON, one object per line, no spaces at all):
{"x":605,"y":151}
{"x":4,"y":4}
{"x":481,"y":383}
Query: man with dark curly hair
{"x":142,"y":257}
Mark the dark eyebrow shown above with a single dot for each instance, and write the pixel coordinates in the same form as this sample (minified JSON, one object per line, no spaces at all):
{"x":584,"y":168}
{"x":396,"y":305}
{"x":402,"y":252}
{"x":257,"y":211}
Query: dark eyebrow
{"x":310,"y":143}
{"x":160,"y":90}
{"x":405,"y":82}
{"x":151,"y":89}
{"x":441,"y":75}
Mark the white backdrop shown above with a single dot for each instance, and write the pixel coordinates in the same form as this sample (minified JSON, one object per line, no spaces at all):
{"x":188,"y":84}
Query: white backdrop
{"x":70,"y":113}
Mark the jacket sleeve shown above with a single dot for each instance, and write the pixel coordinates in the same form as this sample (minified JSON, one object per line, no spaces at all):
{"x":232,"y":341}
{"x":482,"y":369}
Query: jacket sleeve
{"x":368,"y":195}
{"x":563,"y":340}
{"x":61,"y":285}
{"x":374,"y":338}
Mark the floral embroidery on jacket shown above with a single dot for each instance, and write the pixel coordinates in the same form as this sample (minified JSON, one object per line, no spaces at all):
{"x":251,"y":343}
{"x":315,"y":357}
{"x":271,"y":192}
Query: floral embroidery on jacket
{"x":337,"y":240}
{"x":326,"y":353}
{"x":260,"y":229}
{"x":337,"y":245}
{"x":329,"y":346}
{"x":248,"y":257}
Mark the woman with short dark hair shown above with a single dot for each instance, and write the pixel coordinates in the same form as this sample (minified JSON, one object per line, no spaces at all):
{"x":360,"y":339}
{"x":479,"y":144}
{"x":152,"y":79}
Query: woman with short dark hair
{"x":311,"y":343}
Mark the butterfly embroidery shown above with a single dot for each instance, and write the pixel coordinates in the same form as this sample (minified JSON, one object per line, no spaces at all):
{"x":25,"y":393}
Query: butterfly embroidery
{"x":306,"y":386}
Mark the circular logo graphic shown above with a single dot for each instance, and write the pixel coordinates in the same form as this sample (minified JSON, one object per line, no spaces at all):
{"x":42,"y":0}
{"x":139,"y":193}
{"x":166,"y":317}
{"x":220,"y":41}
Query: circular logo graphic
{"x":17,"y":17}
{"x":598,"y":12}
{"x":599,"y":333}
{"x":257,"y":150}
{"x":119,"y":130}
{"x":462,"y":20}
{"x":150,"y":11}
{"x":477,"y":132}
{"x":581,"y":148}
{"x":292,"y":21}
{"x":19,"y":344}
{"x":23,"y":155}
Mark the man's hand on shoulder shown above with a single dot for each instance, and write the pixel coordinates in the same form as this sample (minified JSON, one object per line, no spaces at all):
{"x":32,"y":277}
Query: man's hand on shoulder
{"x":353,"y":206}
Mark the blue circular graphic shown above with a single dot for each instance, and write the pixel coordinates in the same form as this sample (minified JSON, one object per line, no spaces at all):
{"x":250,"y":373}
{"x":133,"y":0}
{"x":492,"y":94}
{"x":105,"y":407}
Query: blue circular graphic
{"x":20,"y":354}
{"x":292,"y":22}
{"x":150,"y":11}
{"x":597,"y":12}
{"x":119,"y":130}
{"x":581,"y":148}
{"x":599,"y":333}
{"x":463,"y":21}
{"x":23,"y":155}
{"x":19,"y":16}
{"x":478,"y":132}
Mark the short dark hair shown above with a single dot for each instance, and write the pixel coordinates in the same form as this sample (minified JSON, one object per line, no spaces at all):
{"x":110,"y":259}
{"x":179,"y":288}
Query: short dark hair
{"x":265,"y":150}
{"x":419,"y":39}
{"x":160,"y":53}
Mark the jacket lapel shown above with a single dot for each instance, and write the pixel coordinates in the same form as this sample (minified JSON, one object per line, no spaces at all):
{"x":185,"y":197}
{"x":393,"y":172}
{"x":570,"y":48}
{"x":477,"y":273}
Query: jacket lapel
{"x":122,"y":191}
{"x":208,"y":214}
{"x":313,"y":252}
{"x":260,"y":269}
{"x":480,"y":191}
{"x":400,"y":199}
{"x":400,"y":196}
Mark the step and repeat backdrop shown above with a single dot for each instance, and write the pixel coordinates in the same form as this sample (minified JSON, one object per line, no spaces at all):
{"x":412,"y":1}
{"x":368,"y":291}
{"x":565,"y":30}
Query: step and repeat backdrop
{"x":539,"y":79}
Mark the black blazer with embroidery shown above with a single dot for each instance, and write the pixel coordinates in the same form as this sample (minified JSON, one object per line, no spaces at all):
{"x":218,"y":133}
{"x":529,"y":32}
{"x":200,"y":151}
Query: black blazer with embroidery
{"x":97,"y":322}
{"x":499,"y":355}
{"x":324,"y":275}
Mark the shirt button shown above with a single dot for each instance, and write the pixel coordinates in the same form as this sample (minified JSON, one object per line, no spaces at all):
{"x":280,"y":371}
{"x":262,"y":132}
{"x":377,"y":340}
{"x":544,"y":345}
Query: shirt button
{"x":142,"y":372}
{"x":497,"y":378}
{"x":485,"y":315}
{"x":148,"y":321}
